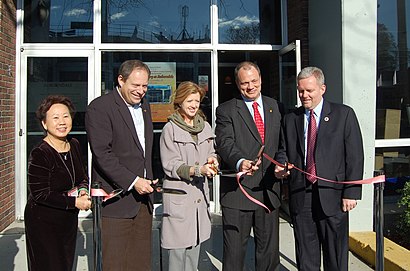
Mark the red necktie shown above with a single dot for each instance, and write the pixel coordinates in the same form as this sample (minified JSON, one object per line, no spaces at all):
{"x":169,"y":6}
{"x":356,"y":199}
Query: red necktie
{"x":311,"y":142}
{"x":258,"y":121}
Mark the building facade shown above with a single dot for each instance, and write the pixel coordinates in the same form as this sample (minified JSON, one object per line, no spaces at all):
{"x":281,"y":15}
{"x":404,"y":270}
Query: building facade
{"x":7,"y":112}
{"x":75,"y":48}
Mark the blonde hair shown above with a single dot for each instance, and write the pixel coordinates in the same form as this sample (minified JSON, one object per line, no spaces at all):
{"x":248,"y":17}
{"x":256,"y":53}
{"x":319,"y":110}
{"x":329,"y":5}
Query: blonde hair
{"x":185,"y":89}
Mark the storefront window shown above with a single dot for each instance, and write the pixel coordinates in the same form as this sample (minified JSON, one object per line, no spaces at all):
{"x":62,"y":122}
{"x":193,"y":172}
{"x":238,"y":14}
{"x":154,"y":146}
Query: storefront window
{"x":395,"y":163}
{"x":58,"y":21}
{"x":250,"y":22}
{"x":393,"y":73}
{"x":139,"y":21}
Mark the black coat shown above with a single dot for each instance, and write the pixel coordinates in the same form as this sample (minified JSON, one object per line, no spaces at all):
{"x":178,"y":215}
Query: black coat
{"x":338,"y":156}
{"x":237,"y":137}
{"x":118,"y":157}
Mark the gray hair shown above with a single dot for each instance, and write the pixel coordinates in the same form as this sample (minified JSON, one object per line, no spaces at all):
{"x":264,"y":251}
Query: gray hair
{"x":315,"y":71}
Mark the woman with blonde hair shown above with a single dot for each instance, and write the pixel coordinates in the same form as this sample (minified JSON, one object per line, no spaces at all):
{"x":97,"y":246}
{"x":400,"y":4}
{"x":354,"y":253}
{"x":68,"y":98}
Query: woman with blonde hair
{"x":188,"y":158}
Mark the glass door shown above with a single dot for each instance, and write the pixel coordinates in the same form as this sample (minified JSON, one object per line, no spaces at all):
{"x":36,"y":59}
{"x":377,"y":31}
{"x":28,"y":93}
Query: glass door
{"x":289,"y":67}
{"x":60,"y":73}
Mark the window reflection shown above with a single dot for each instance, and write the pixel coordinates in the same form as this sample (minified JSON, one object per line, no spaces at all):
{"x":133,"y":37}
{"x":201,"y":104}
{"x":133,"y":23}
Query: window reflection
{"x":288,"y":92}
{"x":167,"y":71}
{"x":395,"y":162}
{"x":172,"y":21}
{"x":249,"y":21}
{"x":56,"y":75}
{"x":58,"y":21}
{"x":139,"y":21}
{"x":393,"y":85}
{"x":267,"y":62}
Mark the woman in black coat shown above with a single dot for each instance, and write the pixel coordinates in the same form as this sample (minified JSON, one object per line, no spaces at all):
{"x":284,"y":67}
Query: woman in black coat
{"x":58,"y":189}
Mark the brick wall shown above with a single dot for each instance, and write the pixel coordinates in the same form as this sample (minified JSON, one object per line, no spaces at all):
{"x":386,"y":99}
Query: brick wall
{"x":298,"y":26}
{"x":7,"y":110}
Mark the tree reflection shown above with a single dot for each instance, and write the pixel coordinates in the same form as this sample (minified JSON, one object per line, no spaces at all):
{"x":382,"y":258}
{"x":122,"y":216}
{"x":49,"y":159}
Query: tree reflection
{"x":246,"y":34}
{"x":386,"y":49}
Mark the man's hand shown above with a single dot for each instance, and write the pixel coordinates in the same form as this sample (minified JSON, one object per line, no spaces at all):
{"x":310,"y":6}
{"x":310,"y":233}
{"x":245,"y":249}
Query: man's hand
{"x":144,"y":186}
{"x":348,"y":204}
{"x":282,"y":172}
{"x":249,"y":166}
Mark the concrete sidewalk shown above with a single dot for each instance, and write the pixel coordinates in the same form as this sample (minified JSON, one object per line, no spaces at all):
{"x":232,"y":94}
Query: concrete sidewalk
{"x":13,"y":250}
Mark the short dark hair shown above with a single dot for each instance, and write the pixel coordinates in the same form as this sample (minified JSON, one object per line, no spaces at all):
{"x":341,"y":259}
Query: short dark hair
{"x":128,"y":66}
{"x":49,"y":101}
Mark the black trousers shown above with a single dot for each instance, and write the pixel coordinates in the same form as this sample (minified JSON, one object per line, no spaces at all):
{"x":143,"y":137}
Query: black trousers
{"x":237,"y":226}
{"x":314,"y":232}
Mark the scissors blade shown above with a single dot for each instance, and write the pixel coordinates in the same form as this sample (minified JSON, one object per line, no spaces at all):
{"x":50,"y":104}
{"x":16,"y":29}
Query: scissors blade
{"x":227,"y":173}
{"x":259,"y":155}
{"x":170,"y":191}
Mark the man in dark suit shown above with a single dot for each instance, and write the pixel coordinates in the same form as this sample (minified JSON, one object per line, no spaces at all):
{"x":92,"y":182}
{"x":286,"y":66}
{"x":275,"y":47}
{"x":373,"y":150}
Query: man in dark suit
{"x":238,"y":141}
{"x":120,"y":133}
{"x":319,"y":209}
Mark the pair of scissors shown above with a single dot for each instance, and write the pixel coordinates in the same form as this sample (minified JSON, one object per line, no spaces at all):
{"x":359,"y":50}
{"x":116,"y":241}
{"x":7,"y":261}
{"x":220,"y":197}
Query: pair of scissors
{"x":259,"y":155}
{"x":231,"y":173}
{"x":159,"y":189}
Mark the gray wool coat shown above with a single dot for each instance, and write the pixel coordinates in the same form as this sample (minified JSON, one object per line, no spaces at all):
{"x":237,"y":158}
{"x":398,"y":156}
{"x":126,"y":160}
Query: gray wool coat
{"x":186,"y":219}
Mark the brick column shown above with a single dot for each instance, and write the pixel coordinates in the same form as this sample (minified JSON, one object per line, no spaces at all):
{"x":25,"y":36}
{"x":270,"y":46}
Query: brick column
{"x":7,"y":111}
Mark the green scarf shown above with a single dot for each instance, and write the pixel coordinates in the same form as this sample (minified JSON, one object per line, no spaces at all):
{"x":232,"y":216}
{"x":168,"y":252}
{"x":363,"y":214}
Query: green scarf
{"x":199,"y":123}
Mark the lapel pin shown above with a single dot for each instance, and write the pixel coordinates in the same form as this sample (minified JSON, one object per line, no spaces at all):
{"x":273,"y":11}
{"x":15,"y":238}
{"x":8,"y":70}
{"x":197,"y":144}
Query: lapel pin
{"x":326,"y":118}
{"x":270,"y":110}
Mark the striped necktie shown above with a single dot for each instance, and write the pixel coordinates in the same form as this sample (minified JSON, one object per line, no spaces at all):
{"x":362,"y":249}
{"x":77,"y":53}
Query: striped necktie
{"x":311,"y":143}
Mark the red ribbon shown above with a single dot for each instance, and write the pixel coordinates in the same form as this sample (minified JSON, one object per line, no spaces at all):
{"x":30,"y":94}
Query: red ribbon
{"x":238,"y":179}
{"x":377,"y":179}
{"x":101,"y":193}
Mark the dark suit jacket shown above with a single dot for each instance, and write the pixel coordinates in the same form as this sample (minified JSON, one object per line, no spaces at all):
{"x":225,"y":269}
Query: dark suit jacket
{"x":118,"y":156}
{"x":237,"y":137}
{"x":338,"y":156}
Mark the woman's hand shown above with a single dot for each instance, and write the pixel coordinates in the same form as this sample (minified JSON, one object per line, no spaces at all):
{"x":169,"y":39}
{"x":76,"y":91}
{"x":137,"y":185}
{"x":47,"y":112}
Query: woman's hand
{"x":83,"y":202}
{"x":213,"y":164}
{"x":208,"y":170}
